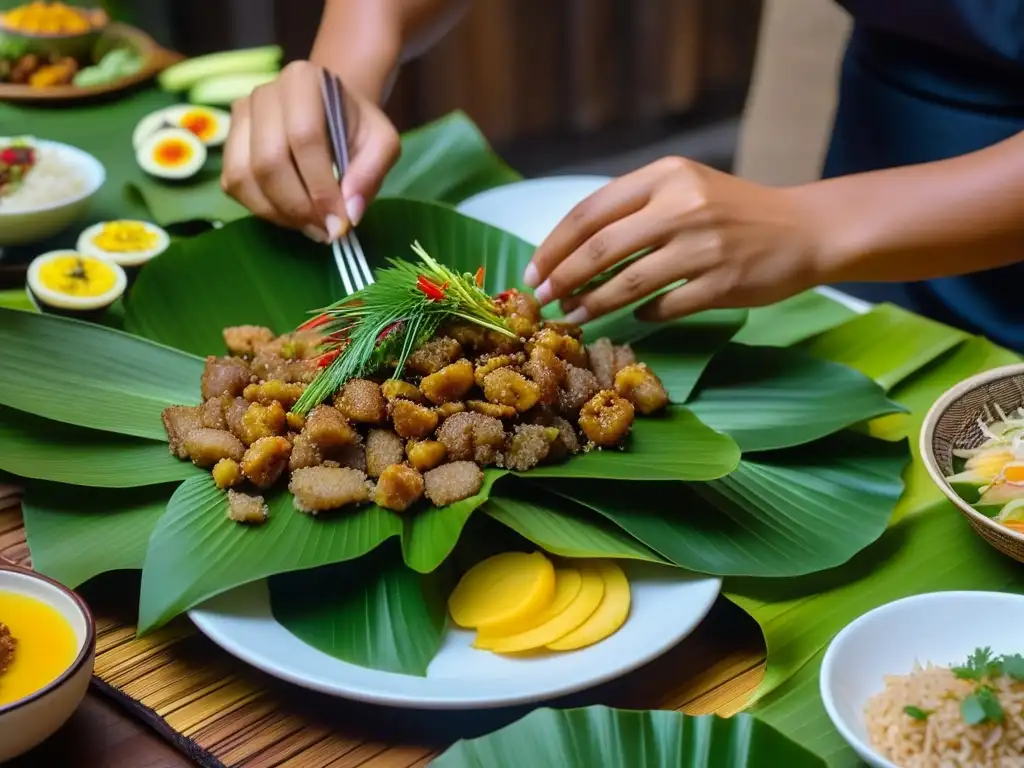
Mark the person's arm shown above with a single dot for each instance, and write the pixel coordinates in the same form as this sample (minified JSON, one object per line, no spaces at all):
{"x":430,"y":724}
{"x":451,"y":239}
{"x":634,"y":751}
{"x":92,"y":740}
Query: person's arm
{"x":364,"y":41}
{"x":923,"y":221}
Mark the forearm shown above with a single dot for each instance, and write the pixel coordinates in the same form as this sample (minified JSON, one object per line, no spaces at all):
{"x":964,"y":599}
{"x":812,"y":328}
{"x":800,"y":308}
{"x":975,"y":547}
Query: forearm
{"x":922,"y":221}
{"x":364,"y":41}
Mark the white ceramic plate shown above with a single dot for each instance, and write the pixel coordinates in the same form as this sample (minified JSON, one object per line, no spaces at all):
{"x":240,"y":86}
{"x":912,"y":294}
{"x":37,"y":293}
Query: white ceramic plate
{"x":531,"y":209}
{"x":667,"y":606}
{"x":938,"y":627}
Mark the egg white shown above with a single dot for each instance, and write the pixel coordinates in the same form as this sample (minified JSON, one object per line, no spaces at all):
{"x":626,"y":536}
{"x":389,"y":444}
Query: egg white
{"x":221,"y":118}
{"x":149,"y":125}
{"x":87,"y":247}
{"x":41,"y":294}
{"x":144,"y":155}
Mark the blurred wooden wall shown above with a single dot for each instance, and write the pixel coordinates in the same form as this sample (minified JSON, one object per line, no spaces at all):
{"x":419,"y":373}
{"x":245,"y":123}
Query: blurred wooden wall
{"x":533,"y":68}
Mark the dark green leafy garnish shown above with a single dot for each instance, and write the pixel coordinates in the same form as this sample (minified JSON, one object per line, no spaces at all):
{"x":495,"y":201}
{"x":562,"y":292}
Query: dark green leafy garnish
{"x":1013,"y":666}
{"x":981,"y":706}
{"x":916,"y":712}
{"x":979,"y":665}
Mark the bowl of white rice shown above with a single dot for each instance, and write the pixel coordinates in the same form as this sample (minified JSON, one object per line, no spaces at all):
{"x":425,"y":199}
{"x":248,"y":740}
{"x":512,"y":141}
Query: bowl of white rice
{"x":931,"y":681}
{"x":52,"y":194}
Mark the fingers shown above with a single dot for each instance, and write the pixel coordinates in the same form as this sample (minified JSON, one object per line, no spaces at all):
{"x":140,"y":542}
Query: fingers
{"x":616,"y":200}
{"x":637,"y":281}
{"x":695,"y":296}
{"x":309,"y":145}
{"x":375,"y":148}
{"x":600,"y":252}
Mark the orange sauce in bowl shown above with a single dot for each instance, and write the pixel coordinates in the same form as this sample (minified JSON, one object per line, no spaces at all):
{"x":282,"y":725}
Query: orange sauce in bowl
{"x":46,"y":645}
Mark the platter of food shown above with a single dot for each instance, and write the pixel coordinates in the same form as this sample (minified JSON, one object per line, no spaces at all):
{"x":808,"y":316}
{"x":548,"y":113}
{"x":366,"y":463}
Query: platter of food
{"x":51,"y":51}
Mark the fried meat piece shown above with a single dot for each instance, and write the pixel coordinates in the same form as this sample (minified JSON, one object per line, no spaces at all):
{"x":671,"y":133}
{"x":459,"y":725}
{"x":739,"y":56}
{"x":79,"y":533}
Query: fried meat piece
{"x":606,"y":418}
{"x":262,"y":421}
{"x":275,"y":390}
{"x":326,"y":428}
{"x":490,"y":363}
{"x":601,"y":356}
{"x":453,"y":482}
{"x":638,"y":384}
{"x":179,"y":421}
{"x":304,"y":454}
{"x":208,"y":446}
{"x":449,"y":383}
{"x":412,"y":419}
{"x":580,"y":386}
{"x":224,"y":376}
{"x":271,"y":367}
{"x":351,"y":456}
{"x":565,"y":347}
{"x":547,"y":371}
{"x":529,"y":445}
{"x":434,"y":355}
{"x":396,"y":389}
{"x":520,"y":310}
{"x":233,"y":415}
{"x":244,"y":340}
{"x":227,"y":473}
{"x":361,"y":401}
{"x":247,"y":508}
{"x":383,"y":448}
{"x":318,"y":489}
{"x":472,"y":437}
{"x":507,"y":387}
{"x":266,"y":460}
{"x":496,"y":410}
{"x":444,"y":410}
{"x":425,"y":454}
{"x":211,"y":413}
{"x":398,"y":488}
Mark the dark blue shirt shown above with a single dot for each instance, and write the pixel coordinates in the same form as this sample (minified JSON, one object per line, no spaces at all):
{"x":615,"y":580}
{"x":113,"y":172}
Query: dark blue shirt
{"x":927,"y":80}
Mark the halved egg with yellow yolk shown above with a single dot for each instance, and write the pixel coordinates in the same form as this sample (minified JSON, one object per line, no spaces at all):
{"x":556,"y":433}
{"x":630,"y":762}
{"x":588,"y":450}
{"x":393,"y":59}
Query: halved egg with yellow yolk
{"x":210,"y":126}
{"x":75,"y":281}
{"x":171,"y":153}
{"x":125,"y":242}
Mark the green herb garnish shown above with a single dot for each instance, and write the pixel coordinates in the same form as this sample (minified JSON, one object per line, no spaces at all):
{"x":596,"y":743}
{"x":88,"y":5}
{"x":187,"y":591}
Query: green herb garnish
{"x":916,"y":712}
{"x":981,"y":706}
{"x":1013,"y":666}
{"x":981,"y":667}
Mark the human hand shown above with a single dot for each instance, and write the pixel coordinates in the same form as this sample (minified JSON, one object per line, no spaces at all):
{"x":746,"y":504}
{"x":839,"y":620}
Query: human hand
{"x":736,"y":243}
{"x":278,"y":161}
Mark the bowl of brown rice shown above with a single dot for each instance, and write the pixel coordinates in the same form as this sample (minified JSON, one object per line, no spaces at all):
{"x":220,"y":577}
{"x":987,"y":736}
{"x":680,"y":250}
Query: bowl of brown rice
{"x":933,"y":680}
{"x":45,"y":187}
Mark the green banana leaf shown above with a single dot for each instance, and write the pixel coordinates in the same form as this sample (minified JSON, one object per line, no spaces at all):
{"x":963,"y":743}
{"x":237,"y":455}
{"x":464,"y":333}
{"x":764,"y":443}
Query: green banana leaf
{"x":430,"y":535}
{"x":447,"y":160}
{"x":792,"y":320}
{"x":616,"y":738}
{"x":82,"y":374}
{"x":779,"y":514}
{"x":887,"y":344}
{"x":375,"y":612}
{"x":49,"y":450}
{"x":196,"y":552}
{"x":674,"y":445}
{"x":17,"y":299}
{"x":199,"y":198}
{"x":565,"y":529}
{"x":767,"y":398}
{"x":933,"y":550}
{"x":76,"y":534}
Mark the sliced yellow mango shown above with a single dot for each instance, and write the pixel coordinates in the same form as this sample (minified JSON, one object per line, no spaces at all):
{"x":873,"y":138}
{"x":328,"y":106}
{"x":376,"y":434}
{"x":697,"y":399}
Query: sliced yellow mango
{"x":609,"y":616}
{"x":568,"y":582}
{"x":503,"y":593}
{"x":575,"y":614}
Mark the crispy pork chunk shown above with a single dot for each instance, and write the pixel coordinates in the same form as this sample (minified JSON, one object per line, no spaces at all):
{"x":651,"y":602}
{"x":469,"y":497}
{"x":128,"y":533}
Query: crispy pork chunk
{"x":361,"y":401}
{"x":434,"y":355}
{"x":179,"y":421}
{"x":326,"y":428}
{"x":425,"y":454}
{"x":247,"y":508}
{"x":453,"y":482}
{"x":580,"y":386}
{"x":266,"y":460}
{"x":225,"y":376}
{"x":318,"y":489}
{"x":244,"y":340}
{"x":227,"y":473}
{"x":529,"y":445}
{"x":208,"y":446}
{"x":472,"y":437}
{"x":398,"y":488}
{"x":638,"y":384}
{"x":383,"y":448}
{"x":448,"y":384}
{"x":412,"y":419}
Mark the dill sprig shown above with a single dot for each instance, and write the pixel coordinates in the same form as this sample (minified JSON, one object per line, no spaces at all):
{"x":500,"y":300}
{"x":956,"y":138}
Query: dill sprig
{"x":383,"y":324}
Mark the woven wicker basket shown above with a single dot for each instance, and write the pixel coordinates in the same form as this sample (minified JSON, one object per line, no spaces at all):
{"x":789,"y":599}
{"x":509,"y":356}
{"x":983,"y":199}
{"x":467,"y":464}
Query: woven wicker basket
{"x":953,"y":423}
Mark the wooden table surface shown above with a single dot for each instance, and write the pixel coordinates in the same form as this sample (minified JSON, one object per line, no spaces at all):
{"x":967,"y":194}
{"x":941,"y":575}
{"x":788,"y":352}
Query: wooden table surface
{"x":714,"y":670}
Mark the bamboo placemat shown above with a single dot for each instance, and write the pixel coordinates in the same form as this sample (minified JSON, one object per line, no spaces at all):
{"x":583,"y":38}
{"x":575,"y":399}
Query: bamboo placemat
{"x":220,"y":712}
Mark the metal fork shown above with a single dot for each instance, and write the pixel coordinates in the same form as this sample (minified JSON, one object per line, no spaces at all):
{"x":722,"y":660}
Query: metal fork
{"x":348,"y":253}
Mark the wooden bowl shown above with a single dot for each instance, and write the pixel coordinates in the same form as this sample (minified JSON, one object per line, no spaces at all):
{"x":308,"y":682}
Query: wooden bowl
{"x":154,"y":60}
{"x":952,"y":422}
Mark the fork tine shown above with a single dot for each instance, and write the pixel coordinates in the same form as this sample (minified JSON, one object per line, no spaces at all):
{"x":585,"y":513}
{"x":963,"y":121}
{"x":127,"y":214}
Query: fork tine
{"x":339,"y":262}
{"x":353,"y":264}
{"x":357,"y":248}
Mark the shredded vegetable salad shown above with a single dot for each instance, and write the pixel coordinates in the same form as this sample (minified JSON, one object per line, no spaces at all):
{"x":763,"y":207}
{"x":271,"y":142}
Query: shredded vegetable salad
{"x":992,"y":476}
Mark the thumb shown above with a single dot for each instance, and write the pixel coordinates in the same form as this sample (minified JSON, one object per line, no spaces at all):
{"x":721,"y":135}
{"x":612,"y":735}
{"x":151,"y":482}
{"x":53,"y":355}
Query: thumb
{"x":375,"y":149}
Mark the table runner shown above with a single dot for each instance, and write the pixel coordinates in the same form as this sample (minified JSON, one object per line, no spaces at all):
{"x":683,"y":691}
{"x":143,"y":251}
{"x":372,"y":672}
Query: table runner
{"x":221,"y":713}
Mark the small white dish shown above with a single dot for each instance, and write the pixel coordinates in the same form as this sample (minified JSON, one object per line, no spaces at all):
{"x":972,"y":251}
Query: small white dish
{"x":943,"y":628}
{"x":29,"y":721}
{"x":22,"y":227}
{"x":667,"y":605}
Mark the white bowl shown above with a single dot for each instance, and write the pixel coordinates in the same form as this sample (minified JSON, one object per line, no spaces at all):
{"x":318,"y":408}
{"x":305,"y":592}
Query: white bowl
{"x":939,"y":627}
{"x":31,"y":226}
{"x":27,"y":722}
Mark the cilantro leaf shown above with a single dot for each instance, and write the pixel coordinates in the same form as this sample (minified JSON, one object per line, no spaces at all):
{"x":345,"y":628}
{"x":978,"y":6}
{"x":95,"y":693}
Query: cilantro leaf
{"x":971,"y":710}
{"x":1013,"y":666}
{"x":977,"y":665}
{"x":990,"y":704}
{"x":916,"y":712}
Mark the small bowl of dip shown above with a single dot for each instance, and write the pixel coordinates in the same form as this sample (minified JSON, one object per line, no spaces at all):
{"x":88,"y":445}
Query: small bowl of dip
{"x":47,"y":651}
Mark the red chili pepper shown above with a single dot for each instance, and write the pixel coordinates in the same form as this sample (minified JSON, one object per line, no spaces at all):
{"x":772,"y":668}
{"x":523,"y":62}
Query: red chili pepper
{"x":432,"y":291}
{"x":327,"y":358}
{"x":479,"y":277}
{"x":315,"y":322}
